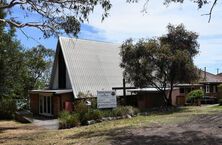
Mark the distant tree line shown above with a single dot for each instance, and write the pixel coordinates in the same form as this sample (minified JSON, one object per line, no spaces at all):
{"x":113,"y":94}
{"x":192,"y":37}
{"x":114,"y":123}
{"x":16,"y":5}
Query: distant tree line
{"x":20,"y":70}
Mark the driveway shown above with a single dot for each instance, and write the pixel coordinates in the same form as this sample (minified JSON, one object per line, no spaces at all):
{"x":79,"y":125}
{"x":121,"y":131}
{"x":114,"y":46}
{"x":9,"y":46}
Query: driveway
{"x":52,"y":124}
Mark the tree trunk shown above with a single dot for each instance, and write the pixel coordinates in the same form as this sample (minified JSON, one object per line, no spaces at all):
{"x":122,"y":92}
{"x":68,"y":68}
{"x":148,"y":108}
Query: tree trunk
{"x":169,"y":103}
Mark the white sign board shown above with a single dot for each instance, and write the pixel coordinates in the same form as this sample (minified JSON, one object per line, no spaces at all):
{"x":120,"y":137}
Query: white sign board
{"x":106,"y":99}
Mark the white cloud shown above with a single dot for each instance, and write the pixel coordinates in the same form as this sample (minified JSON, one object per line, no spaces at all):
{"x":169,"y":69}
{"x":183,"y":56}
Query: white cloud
{"x":126,"y":20}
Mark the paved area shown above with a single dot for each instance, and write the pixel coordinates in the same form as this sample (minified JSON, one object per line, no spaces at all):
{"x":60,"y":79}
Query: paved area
{"x":51,"y":124}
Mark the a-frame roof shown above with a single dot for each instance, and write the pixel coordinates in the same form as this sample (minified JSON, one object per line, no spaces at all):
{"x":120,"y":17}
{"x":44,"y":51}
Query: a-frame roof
{"x":91,"y":65}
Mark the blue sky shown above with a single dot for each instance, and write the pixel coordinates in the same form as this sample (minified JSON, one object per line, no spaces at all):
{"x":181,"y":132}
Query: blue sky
{"x":127,"y":21}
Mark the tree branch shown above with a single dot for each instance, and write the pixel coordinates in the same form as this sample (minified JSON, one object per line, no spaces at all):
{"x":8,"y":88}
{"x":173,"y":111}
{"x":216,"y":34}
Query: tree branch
{"x":211,"y":10}
{"x":12,"y":4}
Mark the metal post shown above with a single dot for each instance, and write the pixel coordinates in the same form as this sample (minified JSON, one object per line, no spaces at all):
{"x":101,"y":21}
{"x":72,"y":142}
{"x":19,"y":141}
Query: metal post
{"x":124,"y":89}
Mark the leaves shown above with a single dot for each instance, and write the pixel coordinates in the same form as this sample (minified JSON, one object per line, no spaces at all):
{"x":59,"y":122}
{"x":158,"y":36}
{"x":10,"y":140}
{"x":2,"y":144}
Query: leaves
{"x":161,"y":62}
{"x":54,"y":16}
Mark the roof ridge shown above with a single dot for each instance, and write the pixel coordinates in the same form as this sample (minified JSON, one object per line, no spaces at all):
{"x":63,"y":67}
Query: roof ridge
{"x":85,"y":39}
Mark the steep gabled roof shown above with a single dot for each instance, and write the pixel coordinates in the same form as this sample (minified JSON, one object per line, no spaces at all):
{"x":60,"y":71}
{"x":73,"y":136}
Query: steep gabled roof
{"x":91,"y":65}
{"x":211,"y":78}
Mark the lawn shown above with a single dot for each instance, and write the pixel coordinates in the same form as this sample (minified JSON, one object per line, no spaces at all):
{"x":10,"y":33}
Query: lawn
{"x":189,"y":125}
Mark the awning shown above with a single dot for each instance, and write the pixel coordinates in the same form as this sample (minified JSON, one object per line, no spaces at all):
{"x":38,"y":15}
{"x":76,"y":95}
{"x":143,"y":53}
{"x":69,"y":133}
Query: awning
{"x":51,"y":91}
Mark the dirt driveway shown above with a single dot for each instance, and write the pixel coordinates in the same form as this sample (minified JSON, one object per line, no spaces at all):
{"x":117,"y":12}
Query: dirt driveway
{"x":202,"y":130}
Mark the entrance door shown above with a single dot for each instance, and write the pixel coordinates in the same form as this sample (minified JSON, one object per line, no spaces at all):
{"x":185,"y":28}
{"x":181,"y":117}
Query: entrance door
{"x":45,"y":105}
{"x":180,"y":100}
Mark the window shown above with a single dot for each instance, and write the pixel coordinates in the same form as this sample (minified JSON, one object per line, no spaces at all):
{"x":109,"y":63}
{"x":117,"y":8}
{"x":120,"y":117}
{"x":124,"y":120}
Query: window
{"x":45,"y":105}
{"x":182,"y":90}
{"x":207,"y":89}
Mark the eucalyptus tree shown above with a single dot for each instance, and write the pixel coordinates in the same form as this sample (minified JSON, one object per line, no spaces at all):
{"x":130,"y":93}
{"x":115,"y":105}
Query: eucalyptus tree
{"x":53,"y":16}
{"x":161,"y":62}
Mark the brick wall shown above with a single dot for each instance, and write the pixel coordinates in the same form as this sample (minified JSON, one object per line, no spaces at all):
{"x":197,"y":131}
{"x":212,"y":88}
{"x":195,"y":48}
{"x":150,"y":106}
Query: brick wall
{"x":34,"y":103}
{"x":58,"y":102}
{"x":56,"y":105}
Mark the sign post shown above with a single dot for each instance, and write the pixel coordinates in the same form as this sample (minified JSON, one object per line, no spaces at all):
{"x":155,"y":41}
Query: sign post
{"x":106,"y":99}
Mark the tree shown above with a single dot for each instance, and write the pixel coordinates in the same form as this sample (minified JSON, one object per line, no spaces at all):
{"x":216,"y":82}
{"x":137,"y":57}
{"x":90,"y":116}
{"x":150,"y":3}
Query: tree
{"x":161,"y":62}
{"x":38,"y":61}
{"x":199,"y":3}
{"x":55,"y":16}
{"x":20,"y":70}
{"x":11,"y":69}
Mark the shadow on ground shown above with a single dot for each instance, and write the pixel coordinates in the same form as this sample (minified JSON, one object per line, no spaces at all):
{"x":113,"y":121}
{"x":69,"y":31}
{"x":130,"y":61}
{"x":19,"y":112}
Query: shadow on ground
{"x":172,"y":138}
{"x":148,"y":136}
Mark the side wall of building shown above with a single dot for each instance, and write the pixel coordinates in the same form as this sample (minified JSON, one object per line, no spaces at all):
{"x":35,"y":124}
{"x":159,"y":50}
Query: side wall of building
{"x":34,"y":103}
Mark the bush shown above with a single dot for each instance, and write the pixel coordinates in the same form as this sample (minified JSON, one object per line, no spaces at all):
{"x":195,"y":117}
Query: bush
{"x":80,"y":107}
{"x":124,"y":110}
{"x":91,"y":114}
{"x":220,"y":102}
{"x":195,"y":95}
{"x":67,"y":119}
{"x":7,"y":108}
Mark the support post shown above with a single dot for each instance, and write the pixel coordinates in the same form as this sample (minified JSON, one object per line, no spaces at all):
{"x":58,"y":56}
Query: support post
{"x":124,"y":89}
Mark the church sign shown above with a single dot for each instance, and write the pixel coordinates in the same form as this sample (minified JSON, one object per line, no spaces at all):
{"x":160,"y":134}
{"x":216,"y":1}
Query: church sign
{"x":106,"y":99}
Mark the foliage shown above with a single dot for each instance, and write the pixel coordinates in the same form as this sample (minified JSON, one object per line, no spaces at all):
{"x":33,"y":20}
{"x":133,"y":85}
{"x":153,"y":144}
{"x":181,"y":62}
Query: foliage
{"x":91,"y":114}
{"x":82,"y":114}
{"x":125,"y":110}
{"x":39,"y":62}
{"x":80,"y":107}
{"x":68,"y":119}
{"x":21,"y":70}
{"x":11,"y":70}
{"x":195,"y":94}
{"x":161,"y":62}
{"x":7,"y":108}
{"x":54,"y":16}
{"x":88,"y":94}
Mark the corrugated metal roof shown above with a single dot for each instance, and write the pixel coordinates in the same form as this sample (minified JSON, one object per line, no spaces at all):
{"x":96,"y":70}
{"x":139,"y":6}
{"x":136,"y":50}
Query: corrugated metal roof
{"x":91,"y":65}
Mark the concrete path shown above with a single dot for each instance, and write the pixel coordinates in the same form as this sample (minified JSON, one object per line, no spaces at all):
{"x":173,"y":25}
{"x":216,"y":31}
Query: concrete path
{"x":52,"y":124}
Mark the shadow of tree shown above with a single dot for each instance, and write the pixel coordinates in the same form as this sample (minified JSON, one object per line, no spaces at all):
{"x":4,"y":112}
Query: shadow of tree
{"x":128,"y":136}
{"x":172,"y":138}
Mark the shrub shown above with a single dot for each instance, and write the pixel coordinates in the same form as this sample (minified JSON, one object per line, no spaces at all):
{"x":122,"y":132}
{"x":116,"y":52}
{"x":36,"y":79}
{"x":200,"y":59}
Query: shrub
{"x":80,"y":107}
{"x":220,"y":102}
{"x":67,"y":119}
{"x":195,"y":95}
{"x":7,"y":108}
{"x":91,"y":114}
{"x":124,"y":110}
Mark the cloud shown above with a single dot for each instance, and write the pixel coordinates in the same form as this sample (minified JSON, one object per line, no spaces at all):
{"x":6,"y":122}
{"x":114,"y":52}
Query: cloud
{"x":127,"y":21}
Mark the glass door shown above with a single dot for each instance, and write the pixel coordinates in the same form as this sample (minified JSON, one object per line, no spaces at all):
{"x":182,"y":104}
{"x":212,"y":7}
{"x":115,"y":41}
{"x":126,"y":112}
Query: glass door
{"x":45,"y":105}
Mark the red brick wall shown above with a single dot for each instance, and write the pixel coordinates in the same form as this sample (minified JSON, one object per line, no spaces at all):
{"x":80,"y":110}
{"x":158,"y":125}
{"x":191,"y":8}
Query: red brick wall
{"x":34,"y":103}
{"x":59,"y":106}
{"x":56,"y":105}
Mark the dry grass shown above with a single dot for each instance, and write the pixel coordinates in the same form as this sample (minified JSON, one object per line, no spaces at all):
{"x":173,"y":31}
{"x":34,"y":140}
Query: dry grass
{"x":100,"y":133}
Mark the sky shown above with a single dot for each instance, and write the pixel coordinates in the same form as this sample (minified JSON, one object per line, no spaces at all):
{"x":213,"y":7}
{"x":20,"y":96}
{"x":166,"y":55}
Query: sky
{"x":128,"y":21}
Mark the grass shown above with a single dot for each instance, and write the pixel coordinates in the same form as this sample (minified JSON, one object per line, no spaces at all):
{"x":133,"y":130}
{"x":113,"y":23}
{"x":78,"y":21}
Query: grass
{"x":100,"y":133}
